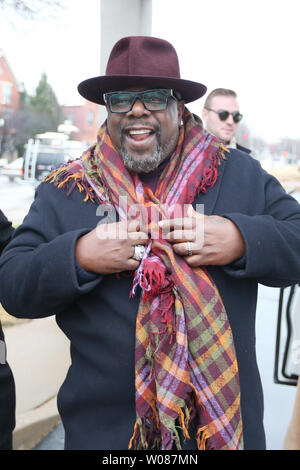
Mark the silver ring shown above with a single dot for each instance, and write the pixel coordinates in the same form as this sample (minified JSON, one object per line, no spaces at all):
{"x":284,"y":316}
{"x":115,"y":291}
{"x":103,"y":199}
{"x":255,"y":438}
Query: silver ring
{"x":139,"y":251}
{"x":189,"y":248}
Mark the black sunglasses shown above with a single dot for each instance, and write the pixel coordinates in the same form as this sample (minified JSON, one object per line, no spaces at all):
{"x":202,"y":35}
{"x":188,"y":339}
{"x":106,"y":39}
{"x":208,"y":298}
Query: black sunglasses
{"x":153,"y":100}
{"x":223,"y":115}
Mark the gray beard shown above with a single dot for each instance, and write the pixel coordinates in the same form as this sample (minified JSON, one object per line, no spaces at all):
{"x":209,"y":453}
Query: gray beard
{"x":147,"y":163}
{"x":143,"y":164}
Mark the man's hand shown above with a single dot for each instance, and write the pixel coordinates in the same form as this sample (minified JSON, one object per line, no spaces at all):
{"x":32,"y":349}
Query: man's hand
{"x":109,"y":248}
{"x":213,"y":240}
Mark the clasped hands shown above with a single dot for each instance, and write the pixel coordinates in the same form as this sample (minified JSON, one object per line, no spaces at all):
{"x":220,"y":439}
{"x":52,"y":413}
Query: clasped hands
{"x":200,"y":239}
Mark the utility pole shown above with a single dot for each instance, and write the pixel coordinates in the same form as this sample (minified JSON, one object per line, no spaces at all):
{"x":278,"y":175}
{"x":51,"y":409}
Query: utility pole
{"x":120,"y":18}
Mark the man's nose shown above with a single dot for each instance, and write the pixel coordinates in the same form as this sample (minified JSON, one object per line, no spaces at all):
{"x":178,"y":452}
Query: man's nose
{"x":138,"y":109}
{"x":230,"y":120}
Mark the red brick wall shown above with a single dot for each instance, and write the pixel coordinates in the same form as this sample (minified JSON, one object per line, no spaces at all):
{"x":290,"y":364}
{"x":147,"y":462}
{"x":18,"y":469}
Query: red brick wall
{"x":6,"y":76}
{"x":86,"y":118}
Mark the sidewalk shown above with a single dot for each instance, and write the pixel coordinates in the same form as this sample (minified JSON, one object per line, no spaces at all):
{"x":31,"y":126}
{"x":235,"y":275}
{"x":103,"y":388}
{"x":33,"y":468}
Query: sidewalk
{"x":38,"y":354}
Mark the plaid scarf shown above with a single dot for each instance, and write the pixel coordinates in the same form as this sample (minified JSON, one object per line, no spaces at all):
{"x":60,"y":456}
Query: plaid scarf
{"x":185,"y":363}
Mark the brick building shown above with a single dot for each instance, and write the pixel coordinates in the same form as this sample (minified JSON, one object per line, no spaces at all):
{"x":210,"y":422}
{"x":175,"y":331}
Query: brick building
{"x":86,"y":118}
{"x":9,"y":89}
{"x":9,"y":105}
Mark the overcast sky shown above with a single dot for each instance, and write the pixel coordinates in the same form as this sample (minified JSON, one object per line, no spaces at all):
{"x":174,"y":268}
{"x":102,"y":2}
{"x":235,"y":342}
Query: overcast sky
{"x":251,"y":46}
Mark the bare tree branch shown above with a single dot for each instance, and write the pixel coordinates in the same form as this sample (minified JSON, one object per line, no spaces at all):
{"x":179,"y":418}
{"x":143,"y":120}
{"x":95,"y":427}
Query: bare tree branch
{"x":29,"y":9}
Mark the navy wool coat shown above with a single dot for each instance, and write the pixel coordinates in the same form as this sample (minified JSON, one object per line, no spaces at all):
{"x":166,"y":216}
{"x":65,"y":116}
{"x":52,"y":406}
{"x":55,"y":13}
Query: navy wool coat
{"x":39,"y":277}
{"x":7,"y":385}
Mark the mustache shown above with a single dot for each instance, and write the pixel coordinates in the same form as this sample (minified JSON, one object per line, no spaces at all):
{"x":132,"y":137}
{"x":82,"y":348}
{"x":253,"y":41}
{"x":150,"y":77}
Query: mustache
{"x":139,"y":122}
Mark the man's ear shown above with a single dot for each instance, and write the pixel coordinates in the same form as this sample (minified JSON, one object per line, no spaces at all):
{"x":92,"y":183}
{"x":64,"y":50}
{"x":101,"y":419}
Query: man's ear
{"x":204,"y":114}
{"x":180,"y":108}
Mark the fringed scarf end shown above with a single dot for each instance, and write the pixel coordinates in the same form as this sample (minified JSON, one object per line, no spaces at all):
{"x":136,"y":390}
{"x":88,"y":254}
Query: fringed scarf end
{"x":134,"y":435}
{"x":151,"y":281}
{"x":210,"y":174}
{"x":146,"y":435}
{"x":202,"y":437}
{"x":223,"y":149}
{"x":69,"y":176}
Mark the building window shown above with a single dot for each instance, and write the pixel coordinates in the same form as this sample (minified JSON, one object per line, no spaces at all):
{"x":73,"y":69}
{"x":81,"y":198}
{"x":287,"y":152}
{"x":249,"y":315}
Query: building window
{"x":90,"y":117}
{"x":70,"y":117}
{"x":6,"y":93}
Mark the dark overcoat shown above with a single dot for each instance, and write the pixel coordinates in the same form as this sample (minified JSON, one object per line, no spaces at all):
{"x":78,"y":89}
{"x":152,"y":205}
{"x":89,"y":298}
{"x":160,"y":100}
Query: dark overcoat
{"x":7,"y":386}
{"x":39,"y":277}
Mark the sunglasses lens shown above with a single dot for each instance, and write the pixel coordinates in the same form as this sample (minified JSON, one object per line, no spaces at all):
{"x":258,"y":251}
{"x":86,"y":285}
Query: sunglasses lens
{"x":120,"y":102}
{"x":237,"y":116}
{"x":155,"y":100}
{"x":223,"y":115}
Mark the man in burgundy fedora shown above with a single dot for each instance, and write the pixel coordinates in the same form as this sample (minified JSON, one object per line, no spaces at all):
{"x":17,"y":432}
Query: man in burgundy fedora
{"x":149,"y":249}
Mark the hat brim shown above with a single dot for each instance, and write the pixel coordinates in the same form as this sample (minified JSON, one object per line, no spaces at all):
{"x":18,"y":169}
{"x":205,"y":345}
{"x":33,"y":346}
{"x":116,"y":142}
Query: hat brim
{"x":93,"y":88}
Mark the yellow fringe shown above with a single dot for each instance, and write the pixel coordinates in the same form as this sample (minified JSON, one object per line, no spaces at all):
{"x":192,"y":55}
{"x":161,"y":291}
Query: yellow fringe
{"x":53,"y":174}
{"x":201,"y":441}
{"x":223,"y":147}
{"x":80,"y":187}
{"x":134,"y":434}
{"x":74,"y":176}
{"x":155,"y":414}
{"x":182,"y":421}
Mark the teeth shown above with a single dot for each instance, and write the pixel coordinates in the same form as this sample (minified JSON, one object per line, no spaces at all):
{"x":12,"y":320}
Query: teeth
{"x":139,"y":131}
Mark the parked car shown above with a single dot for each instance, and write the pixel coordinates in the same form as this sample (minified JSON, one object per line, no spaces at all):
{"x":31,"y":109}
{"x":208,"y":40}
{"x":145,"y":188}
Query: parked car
{"x":13,"y":170}
{"x":3,"y":162}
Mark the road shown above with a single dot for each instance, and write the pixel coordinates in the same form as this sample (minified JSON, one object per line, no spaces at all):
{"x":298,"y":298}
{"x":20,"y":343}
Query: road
{"x":15,"y":201}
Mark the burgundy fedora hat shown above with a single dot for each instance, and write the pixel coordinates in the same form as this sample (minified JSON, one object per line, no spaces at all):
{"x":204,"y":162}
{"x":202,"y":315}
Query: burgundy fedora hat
{"x":141,"y":61}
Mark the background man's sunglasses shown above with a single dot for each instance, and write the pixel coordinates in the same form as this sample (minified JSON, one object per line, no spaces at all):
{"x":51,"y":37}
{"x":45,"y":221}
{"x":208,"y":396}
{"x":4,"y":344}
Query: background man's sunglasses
{"x":153,"y":100}
{"x":223,"y":115}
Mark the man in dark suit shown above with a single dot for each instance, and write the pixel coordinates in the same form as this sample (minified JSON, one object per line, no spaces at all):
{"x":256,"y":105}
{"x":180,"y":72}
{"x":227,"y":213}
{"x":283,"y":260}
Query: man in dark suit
{"x":7,"y":386}
{"x":221,"y":116}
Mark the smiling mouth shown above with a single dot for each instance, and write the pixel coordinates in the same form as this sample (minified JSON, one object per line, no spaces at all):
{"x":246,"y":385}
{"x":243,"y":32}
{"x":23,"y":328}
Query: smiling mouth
{"x":139,"y":135}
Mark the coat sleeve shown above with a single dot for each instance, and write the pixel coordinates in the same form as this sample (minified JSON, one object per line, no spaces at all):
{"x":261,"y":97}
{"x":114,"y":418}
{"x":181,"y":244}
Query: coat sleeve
{"x":38,"y":271}
{"x":272,"y":239}
{"x":6,"y":231}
